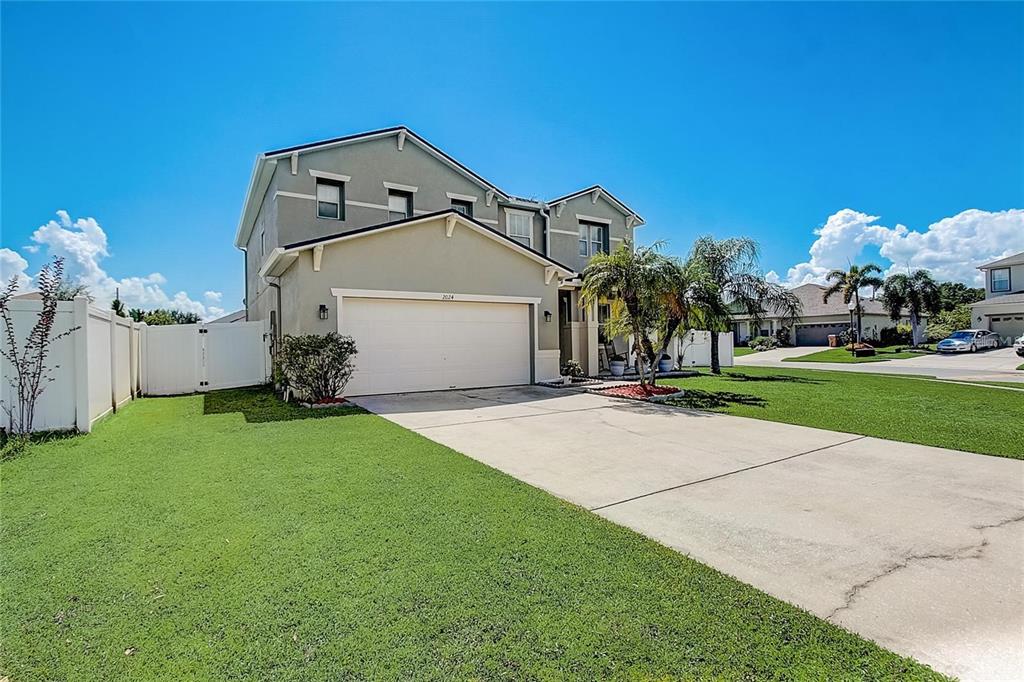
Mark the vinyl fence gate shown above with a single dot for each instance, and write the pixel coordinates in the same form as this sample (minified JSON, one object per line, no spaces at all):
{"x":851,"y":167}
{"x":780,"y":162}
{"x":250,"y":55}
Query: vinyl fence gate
{"x":185,"y":358}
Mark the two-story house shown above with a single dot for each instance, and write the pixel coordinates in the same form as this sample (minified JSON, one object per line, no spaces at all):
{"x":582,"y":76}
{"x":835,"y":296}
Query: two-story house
{"x":443,"y":279}
{"x":1002,"y":311}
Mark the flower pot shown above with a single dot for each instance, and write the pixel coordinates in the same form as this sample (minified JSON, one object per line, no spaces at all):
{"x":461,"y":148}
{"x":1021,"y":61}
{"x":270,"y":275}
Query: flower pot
{"x":617,"y":367}
{"x":664,"y":365}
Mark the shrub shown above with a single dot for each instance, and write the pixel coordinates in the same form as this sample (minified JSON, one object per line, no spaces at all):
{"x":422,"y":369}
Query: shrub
{"x":895,"y":336}
{"x":571,"y":368}
{"x":316,"y":366}
{"x":948,"y":321}
{"x":761,"y":343}
{"x":782,"y":336}
{"x":847,"y":336}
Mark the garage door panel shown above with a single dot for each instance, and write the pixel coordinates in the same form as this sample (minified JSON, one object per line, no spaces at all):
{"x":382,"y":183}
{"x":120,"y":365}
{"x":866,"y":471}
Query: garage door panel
{"x":413,"y":345}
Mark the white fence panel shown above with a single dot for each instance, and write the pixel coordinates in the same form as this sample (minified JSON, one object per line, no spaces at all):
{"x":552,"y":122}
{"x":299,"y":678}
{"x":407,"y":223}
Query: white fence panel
{"x":97,"y":339}
{"x":187,"y":358}
{"x":171,"y":359}
{"x":694,"y":349}
{"x":237,"y":354}
{"x":121,"y":360}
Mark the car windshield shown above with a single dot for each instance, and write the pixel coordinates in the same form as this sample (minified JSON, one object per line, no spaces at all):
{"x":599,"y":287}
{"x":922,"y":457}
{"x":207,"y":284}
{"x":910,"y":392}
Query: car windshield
{"x":962,"y":336}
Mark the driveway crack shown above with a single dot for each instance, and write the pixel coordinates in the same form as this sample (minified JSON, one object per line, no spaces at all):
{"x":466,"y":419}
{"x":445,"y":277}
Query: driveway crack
{"x":972,"y":551}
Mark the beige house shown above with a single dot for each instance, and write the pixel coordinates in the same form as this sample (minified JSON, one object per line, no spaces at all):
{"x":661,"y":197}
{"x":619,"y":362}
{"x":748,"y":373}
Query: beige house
{"x":1002,"y":311}
{"x":443,"y":279}
{"x":819,"y":319}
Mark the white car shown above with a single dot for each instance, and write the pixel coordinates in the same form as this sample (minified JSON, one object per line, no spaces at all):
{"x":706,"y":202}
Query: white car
{"x":1018,"y":346}
{"x":968,"y":341}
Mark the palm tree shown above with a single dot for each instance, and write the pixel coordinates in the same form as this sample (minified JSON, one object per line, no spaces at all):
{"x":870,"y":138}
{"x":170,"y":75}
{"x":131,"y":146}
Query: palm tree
{"x":731,"y":281}
{"x":849,"y":284}
{"x":916,"y":292}
{"x":636,"y":282}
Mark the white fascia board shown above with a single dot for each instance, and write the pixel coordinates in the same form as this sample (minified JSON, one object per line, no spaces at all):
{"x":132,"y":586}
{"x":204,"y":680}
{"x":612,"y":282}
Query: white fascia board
{"x":400,"y":187}
{"x":461,"y":197}
{"x":278,"y":262}
{"x":329,"y":176}
{"x":262,"y":173}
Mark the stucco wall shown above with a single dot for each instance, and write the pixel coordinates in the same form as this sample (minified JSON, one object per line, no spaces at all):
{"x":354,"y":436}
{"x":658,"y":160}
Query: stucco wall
{"x":1016,"y":282}
{"x":415,"y":258}
{"x":565,"y":247}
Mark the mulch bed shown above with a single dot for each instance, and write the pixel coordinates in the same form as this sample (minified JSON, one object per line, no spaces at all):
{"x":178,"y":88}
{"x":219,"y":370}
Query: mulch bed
{"x":638,"y":392}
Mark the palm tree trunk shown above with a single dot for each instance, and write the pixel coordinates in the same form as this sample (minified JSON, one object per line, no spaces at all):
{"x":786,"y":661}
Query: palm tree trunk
{"x":716,"y":367}
{"x":914,"y":322}
{"x":856,"y":300}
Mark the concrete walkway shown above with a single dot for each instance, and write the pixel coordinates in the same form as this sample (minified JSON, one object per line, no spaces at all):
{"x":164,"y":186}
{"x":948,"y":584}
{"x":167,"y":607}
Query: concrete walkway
{"x":994,"y":365}
{"x":918,"y":548}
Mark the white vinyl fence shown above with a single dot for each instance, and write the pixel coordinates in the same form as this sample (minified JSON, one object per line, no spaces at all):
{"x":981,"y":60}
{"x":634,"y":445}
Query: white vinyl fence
{"x":694,"y":349}
{"x":110,"y":360}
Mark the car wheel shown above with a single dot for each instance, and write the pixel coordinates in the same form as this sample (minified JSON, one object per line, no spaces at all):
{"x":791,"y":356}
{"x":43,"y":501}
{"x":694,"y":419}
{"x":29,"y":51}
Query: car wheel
{"x":974,"y":349}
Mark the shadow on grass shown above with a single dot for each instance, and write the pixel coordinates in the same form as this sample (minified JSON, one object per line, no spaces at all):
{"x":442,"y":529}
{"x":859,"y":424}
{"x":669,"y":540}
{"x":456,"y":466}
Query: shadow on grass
{"x":261,"y":404}
{"x":735,"y":376}
{"x":707,"y":400}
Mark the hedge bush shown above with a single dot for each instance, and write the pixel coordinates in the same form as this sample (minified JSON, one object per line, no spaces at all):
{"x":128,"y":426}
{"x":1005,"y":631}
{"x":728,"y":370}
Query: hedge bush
{"x":316,"y":366}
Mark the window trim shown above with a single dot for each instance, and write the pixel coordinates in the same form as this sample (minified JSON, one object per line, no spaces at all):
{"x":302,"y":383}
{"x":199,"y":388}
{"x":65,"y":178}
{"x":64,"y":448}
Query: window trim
{"x":340,"y":184}
{"x":508,"y":226}
{"x":468,"y":205}
{"x":605,"y":241}
{"x":992,"y":281}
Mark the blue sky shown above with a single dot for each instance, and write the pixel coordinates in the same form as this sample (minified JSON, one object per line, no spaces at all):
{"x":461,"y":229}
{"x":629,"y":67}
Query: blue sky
{"x":762,"y":120}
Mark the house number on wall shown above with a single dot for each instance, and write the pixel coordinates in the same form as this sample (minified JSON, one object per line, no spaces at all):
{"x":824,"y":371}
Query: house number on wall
{"x":447,"y":297}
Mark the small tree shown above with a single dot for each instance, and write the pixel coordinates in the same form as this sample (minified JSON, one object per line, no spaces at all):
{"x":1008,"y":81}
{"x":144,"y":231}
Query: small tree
{"x":30,"y":374}
{"x":849,"y":283}
{"x":317,"y":367}
{"x":66,"y":290}
{"x":917,"y":293}
{"x":137,"y":314}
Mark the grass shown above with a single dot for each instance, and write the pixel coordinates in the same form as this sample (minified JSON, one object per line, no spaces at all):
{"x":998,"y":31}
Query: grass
{"x":949,"y":415}
{"x":740,"y":351}
{"x":234,"y":538}
{"x":1021,"y":368}
{"x":842,"y":355}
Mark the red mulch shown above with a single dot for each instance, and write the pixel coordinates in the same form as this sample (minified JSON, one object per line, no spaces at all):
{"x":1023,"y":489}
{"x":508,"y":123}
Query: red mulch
{"x":638,"y":392}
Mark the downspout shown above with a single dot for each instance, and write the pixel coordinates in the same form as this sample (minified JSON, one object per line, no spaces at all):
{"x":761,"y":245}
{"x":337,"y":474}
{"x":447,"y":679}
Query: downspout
{"x":277,"y":331}
{"x":546,"y":214}
{"x":245,"y":274}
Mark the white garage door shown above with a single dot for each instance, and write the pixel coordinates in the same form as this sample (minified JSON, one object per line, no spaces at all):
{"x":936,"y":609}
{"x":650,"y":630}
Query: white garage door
{"x":409,"y":345}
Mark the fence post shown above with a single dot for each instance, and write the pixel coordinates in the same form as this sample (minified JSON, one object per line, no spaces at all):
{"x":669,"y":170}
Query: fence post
{"x":113,"y":361}
{"x":81,"y":338}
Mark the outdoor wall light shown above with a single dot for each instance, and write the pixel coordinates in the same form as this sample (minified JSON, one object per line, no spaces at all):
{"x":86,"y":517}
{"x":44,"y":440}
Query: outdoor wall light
{"x":323,"y":311}
{"x":547,"y":315}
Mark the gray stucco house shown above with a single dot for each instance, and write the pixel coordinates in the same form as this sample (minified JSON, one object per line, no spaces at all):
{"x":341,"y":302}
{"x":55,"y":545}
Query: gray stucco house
{"x":1002,"y":311}
{"x":443,"y":279}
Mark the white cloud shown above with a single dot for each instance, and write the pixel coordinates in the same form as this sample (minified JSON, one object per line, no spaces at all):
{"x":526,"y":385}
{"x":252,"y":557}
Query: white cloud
{"x":212,"y":296}
{"x":13,"y":265}
{"x":952,"y":248}
{"x":83,"y":244}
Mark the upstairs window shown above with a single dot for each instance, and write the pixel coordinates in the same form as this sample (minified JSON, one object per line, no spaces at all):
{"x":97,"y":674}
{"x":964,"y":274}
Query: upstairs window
{"x":1001,"y":280}
{"x":520,"y":227}
{"x":399,"y":205}
{"x":593,"y":239}
{"x":329,"y":200}
{"x":463,"y":207}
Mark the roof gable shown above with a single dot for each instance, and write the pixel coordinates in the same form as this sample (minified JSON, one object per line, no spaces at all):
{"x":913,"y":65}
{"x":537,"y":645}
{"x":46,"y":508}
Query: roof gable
{"x":280,"y":259}
{"x":595,"y":192}
{"x":1015,"y":259}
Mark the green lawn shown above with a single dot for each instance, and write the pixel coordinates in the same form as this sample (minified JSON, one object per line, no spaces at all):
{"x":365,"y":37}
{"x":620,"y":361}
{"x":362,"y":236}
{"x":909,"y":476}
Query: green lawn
{"x":949,"y":415}
{"x":740,"y":351}
{"x":1021,"y":368}
{"x":842,"y":355}
{"x":230,"y":538}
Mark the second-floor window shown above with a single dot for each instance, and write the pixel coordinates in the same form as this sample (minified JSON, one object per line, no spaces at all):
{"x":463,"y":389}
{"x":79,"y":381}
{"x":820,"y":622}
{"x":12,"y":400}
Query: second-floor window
{"x":463,"y":207}
{"x":399,"y":204}
{"x":1001,"y":280}
{"x":592,"y":239}
{"x":330,"y":199}
{"x":520,"y":227}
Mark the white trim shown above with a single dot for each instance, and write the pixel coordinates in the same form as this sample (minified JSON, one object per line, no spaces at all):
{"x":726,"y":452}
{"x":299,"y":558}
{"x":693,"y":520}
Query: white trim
{"x":363,"y":204}
{"x":568,"y":232}
{"x":294,"y":195}
{"x":461,"y":197}
{"x":592,"y":219}
{"x":626,"y":210}
{"x":616,"y":239}
{"x":329,"y":176}
{"x":434,"y":296}
{"x":295,"y":163}
{"x":318,"y":254}
{"x":514,"y":211}
{"x":400,"y":188}
{"x":489,"y":221}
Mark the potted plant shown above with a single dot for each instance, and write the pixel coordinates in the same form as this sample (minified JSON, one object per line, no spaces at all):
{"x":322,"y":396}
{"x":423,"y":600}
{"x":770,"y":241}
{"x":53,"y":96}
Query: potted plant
{"x":571,"y":370}
{"x":665,"y":363}
{"x":617,"y":365}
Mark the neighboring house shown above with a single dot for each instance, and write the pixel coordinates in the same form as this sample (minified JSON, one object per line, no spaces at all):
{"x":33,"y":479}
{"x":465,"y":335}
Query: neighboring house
{"x":237,"y":316}
{"x":1002,"y":311}
{"x":443,"y":279}
{"x":819,"y":319}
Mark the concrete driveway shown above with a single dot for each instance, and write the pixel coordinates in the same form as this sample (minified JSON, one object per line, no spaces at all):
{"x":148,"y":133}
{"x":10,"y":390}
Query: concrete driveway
{"x":994,"y":365}
{"x":920,"y":549}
